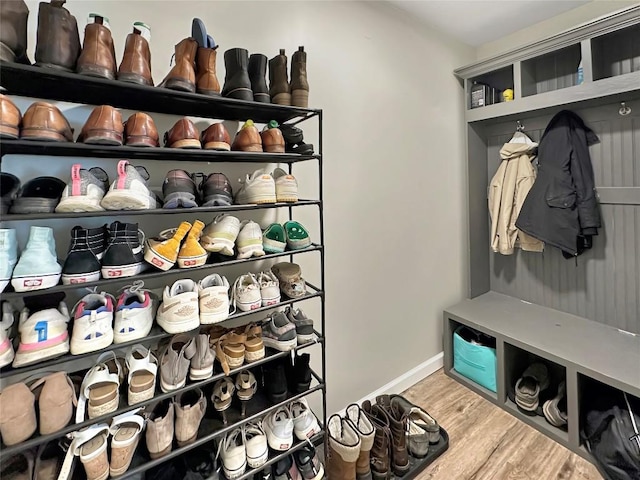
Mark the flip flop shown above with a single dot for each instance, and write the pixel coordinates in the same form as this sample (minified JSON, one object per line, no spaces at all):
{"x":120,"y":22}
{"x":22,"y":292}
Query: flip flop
{"x":534,"y":380}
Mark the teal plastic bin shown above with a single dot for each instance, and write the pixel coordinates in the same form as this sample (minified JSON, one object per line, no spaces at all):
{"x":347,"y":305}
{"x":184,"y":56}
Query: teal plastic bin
{"x":476,"y":362}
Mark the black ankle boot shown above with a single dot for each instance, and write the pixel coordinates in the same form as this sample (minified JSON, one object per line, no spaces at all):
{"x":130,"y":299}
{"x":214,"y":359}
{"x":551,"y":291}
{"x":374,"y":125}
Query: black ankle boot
{"x":236,"y":78}
{"x":300,"y":374}
{"x":275,"y":381}
{"x":257,"y":75}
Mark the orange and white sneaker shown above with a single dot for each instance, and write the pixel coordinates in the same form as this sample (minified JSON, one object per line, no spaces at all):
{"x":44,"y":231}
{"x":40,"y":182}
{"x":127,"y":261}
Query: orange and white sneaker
{"x":259,"y":187}
{"x":286,"y":186}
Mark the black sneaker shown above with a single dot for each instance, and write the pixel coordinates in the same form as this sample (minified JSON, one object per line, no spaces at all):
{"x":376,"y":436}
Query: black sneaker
{"x":124,"y":256}
{"x":294,"y":140}
{"x":309,"y":466}
{"x":86,"y":249}
{"x":179,"y":190}
{"x":40,"y":195}
{"x":274,"y":381}
{"x":285,"y":469}
{"x":216,"y":190}
{"x":299,"y":373}
{"x":9,"y":186}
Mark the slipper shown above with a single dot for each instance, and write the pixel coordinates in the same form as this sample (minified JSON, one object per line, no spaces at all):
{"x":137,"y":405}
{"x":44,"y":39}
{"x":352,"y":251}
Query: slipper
{"x":126,"y":430}
{"x":555,"y":410}
{"x":143,"y":369}
{"x":100,"y":388}
{"x":534,"y":380}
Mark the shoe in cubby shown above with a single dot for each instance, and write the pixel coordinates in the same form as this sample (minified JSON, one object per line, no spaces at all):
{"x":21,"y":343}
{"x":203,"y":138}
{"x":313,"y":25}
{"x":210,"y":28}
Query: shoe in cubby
{"x":299,"y":83}
{"x":39,"y":195}
{"x":92,"y":323}
{"x":233,"y":454}
{"x":160,"y":429}
{"x":304,"y":325}
{"x":309,"y":465}
{"x":86,"y":249}
{"x":130,"y":191}
{"x":85,"y":190}
{"x":191,"y":253}
{"x":182,"y":76}
{"x":9,"y":187}
{"x":58,"y":40}
{"x":256,"y":443}
{"x":124,"y":256}
{"x":305,"y":423}
{"x":269,"y":288}
{"x":279,"y":89}
{"x":162,"y":251}
{"x":190,"y":407}
{"x":278,"y":426}
{"x":221,"y":234}
{"x":176,"y":361}
{"x":11,"y":119}
{"x":202,"y":361}
{"x":43,"y":335}
{"x":38,"y":267}
{"x":183,"y":134}
{"x":298,"y":372}
{"x":237,"y":83}
{"x":45,"y":122}
{"x":286,"y":469}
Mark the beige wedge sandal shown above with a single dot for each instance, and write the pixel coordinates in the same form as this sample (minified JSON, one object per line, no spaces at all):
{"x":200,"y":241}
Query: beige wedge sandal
{"x":126,"y":430}
{"x":100,"y":388}
{"x":253,"y":345}
{"x":222,"y":396}
{"x":90,"y":444}
{"x":230,"y":351}
{"x":143,"y":370}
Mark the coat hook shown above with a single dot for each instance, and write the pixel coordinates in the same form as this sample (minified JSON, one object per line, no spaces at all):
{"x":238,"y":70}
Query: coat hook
{"x":624,"y":109}
{"x":519,"y":126}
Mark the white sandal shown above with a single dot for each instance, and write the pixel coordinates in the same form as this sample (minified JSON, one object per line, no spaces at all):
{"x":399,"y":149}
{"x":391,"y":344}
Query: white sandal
{"x":100,"y":389}
{"x":222,"y":396}
{"x":126,"y":430}
{"x":143,"y":369}
{"x":90,"y":444}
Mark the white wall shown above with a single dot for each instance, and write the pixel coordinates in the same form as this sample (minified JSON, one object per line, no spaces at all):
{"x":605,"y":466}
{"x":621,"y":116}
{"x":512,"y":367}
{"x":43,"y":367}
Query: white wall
{"x":394,"y":156}
{"x":552,"y":26}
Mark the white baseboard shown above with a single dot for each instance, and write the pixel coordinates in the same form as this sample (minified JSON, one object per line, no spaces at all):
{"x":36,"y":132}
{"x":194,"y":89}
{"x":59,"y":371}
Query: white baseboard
{"x":406,"y":380}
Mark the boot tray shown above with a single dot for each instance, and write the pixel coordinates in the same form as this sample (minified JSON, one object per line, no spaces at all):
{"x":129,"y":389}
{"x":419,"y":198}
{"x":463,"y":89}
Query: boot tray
{"x":417,"y":465}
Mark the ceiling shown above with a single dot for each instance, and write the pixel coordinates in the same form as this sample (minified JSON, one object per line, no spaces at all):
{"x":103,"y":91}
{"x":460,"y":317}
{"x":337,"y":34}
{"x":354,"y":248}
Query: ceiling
{"x":475,"y":22}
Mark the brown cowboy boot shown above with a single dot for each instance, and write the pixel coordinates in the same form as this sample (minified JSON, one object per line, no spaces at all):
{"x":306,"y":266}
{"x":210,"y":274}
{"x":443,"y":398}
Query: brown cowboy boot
{"x":278,"y":80}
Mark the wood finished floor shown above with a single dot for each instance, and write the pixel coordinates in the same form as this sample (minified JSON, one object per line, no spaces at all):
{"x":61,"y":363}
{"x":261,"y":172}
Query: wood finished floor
{"x":487,"y":443}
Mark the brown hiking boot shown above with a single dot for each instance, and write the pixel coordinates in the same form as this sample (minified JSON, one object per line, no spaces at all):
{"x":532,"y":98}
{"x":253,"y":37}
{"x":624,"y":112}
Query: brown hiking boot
{"x":380,"y":454}
{"x":103,"y":127}
{"x":247,"y":139}
{"x":299,"y":83}
{"x":183,"y":134}
{"x":361,"y":424}
{"x":343,"y":449}
{"x":216,"y":137}
{"x":278,"y":80}
{"x":13,"y":31}
{"x":58,"y":43}
{"x":207,"y":80}
{"x":10,"y":118}
{"x":140,"y":131}
{"x":136,"y":61}
{"x":398,"y":426}
{"x":183,"y":74}
{"x":98,"y":57}
{"x":43,"y":121}
{"x":272,"y":140}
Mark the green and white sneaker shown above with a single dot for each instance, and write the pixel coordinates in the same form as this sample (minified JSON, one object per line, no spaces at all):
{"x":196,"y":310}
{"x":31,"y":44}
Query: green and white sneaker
{"x":274,"y":239}
{"x":297,"y":236}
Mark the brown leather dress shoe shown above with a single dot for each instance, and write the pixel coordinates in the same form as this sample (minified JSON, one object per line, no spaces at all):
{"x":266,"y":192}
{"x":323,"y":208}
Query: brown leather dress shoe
{"x":43,"y":121}
{"x":216,"y":137}
{"x":247,"y":139}
{"x":98,"y":57}
{"x":183,"y":74}
{"x":272,"y":139}
{"x":207,"y":80}
{"x":136,"y":61}
{"x":140,"y":131}
{"x":10,"y":118}
{"x":103,"y":127}
{"x":183,"y":134}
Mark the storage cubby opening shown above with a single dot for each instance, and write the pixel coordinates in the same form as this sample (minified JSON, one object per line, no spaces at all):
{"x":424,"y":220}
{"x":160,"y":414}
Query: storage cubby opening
{"x":474,"y":358}
{"x":616,"y":53}
{"x":552,"y":71}
{"x":595,"y":396}
{"x":517,"y":361}
{"x":500,"y":80}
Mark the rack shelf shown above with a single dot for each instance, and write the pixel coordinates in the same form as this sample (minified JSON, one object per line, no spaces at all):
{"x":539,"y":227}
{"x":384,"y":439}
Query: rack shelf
{"x":31,"y":81}
{"x":169,"y":274}
{"x":68,"y":149}
{"x":123,"y":407}
{"x":14,"y":217}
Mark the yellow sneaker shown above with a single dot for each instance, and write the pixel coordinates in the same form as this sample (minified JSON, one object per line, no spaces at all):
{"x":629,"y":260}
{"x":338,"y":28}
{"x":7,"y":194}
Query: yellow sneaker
{"x":192,"y":254}
{"x":162,"y":252}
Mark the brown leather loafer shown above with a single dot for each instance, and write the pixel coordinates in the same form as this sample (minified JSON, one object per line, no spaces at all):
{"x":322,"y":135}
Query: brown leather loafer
{"x":98,"y":57}
{"x":10,"y":118}
{"x":43,"y":121}
{"x":247,"y":139}
{"x":272,"y":139}
{"x":183,"y":134}
{"x":216,"y":137}
{"x":140,"y":131}
{"x":136,"y":61}
{"x":103,"y":127}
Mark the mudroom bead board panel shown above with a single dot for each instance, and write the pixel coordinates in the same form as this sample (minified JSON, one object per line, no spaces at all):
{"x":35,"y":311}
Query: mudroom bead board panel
{"x":604,"y":284}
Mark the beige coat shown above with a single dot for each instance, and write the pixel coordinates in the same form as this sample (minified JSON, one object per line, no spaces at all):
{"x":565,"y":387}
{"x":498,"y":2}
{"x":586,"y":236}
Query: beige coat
{"x":507,"y":191}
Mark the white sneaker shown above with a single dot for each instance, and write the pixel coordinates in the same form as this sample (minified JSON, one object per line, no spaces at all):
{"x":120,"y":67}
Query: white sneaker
{"x":92,"y":323}
{"x":129,"y":191}
{"x":85,"y":190}
{"x":233,"y":454}
{"x":6,"y":347}
{"x":259,"y":187}
{"x":305,"y":423}
{"x":249,"y":240}
{"x":213,"y":292}
{"x":134,"y":314}
{"x":245,"y":293}
{"x":179,"y":312}
{"x":269,"y":288}
{"x":220,"y":235}
{"x":279,"y":429}
{"x":255,"y":441}
{"x":286,"y":186}
{"x":43,"y":335}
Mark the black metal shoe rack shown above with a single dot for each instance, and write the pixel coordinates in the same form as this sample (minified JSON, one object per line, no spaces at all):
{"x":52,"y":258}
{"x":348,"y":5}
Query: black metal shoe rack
{"x":48,"y":84}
